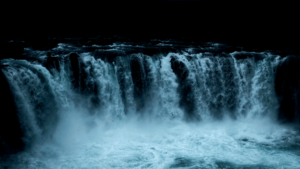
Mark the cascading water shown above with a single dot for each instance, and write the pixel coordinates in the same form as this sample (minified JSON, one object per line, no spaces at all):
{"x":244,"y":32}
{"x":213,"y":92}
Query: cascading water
{"x":174,"y":110}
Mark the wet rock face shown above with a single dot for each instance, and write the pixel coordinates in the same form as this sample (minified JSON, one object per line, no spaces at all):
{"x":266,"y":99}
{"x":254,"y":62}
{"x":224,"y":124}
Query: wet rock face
{"x":10,"y":129}
{"x":287,"y":87}
{"x":80,"y":75}
{"x":179,"y":68}
{"x":83,"y":81}
{"x":138,"y":75}
{"x":122,"y":82}
{"x":52,"y":63}
{"x":230,"y":86}
{"x":185,"y":89}
{"x":75,"y":69}
{"x":142,"y":78}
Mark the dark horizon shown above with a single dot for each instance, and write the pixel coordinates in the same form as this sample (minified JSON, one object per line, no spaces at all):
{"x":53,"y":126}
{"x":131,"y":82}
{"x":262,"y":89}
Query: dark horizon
{"x":254,"y":24}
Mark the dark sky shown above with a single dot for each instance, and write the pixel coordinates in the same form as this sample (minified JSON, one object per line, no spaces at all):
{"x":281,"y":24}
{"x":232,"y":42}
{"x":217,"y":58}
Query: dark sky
{"x":254,"y":22}
{"x":189,"y":0}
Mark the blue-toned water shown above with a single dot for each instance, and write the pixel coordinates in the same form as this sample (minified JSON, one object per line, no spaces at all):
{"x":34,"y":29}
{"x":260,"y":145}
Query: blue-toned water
{"x":172,"y":110}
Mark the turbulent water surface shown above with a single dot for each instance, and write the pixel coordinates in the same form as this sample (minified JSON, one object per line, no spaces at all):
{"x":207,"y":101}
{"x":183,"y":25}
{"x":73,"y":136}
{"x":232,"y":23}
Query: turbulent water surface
{"x":168,"y":110}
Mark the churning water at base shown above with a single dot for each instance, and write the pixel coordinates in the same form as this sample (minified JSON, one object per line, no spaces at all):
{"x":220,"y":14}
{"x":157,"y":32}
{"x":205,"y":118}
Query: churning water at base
{"x":131,"y":144}
{"x":164,"y":111}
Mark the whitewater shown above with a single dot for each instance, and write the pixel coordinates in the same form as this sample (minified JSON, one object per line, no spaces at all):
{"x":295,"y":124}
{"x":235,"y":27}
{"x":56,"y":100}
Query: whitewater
{"x":169,"y":110}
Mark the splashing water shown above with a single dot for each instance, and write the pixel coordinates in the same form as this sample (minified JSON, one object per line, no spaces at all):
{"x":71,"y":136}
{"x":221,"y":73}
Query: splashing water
{"x":165,"y":111}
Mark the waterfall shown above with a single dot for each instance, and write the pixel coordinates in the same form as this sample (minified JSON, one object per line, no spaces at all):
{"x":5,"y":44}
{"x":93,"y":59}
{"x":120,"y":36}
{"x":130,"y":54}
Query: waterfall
{"x":84,"y":93}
